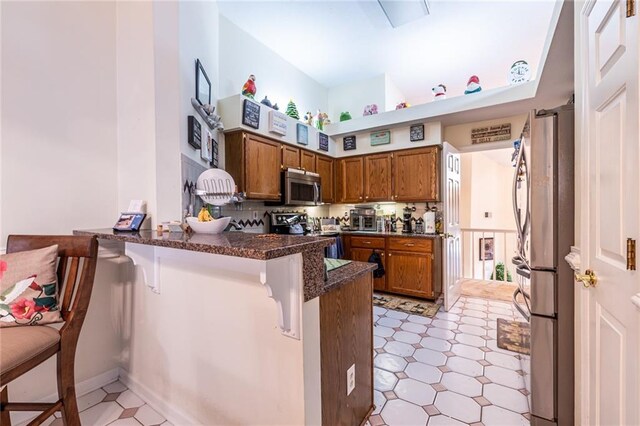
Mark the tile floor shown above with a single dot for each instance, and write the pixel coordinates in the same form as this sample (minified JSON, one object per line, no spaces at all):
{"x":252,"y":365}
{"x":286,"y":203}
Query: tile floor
{"x":114,"y":405}
{"x":447,"y":370}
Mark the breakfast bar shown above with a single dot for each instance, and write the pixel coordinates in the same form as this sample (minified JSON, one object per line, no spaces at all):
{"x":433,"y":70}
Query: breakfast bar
{"x":207,"y":304}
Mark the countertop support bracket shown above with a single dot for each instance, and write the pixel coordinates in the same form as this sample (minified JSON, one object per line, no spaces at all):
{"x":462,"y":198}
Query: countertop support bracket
{"x":283,"y":279}
{"x":148,"y":260}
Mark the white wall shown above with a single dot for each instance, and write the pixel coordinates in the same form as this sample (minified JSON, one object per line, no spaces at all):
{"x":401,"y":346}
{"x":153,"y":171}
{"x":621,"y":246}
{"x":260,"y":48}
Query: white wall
{"x":242,"y":55}
{"x":59,"y":149}
{"x":393,"y":96}
{"x":354,"y":96}
{"x":460,"y":135}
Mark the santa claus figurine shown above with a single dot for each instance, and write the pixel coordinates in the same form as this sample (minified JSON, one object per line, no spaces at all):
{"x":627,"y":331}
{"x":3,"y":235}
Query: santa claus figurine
{"x":249,"y":88}
{"x":473,"y":86}
{"x":439,"y":92}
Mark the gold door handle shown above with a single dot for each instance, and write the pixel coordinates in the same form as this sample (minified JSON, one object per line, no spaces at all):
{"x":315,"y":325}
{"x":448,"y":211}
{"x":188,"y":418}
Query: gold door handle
{"x":589,"y":278}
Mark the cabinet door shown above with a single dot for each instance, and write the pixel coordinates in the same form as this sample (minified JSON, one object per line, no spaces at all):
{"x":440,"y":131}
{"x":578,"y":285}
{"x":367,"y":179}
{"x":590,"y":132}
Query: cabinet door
{"x":362,"y":255}
{"x":377,"y":177}
{"x":417,"y":175}
{"x":262,"y":168}
{"x":350,"y":180}
{"x":308,"y":161}
{"x":410,"y":273}
{"x":290,"y":157}
{"x":324,"y":167}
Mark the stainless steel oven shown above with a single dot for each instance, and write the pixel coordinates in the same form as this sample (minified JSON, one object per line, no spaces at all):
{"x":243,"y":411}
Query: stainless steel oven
{"x":300,"y":188}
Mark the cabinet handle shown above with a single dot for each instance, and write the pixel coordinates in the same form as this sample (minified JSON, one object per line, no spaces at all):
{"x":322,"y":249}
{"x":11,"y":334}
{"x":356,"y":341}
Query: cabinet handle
{"x":367,"y":242}
{"x":361,"y":198}
{"x":389,"y":254}
{"x":409,"y":245}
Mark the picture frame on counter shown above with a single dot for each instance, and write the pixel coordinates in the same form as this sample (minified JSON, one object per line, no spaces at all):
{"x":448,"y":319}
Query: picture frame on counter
{"x":129,"y":222}
{"x":416,"y":133}
{"x":302,"y":134}
{"x":349,"y":143}
{"x":381,"y":137}
{"x":251,"y":114}
{"x":323,"y":142}
{"x":195,"y":132}
{"x":203,"y":84}
{"x":278,"y":122}
{"x":206,"y":149}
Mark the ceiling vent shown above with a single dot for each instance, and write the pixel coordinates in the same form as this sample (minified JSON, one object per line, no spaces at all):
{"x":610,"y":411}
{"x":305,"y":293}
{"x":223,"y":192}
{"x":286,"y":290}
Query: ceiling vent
{"x":400,"y":12}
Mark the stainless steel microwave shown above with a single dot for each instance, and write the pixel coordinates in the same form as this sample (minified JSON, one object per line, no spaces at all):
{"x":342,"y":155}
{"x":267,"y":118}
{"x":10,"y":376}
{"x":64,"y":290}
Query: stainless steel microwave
{"x":300,"y":188}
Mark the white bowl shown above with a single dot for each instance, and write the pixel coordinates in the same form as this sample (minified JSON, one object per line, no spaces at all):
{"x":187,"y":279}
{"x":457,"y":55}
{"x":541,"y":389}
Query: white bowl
{"x":215,"y":226}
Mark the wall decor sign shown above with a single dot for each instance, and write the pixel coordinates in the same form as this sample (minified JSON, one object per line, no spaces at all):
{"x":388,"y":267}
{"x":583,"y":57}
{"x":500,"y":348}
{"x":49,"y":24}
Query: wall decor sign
{"x":206,"y":150}
{"x":203,"y":85}
{"x":349,"y":143}
{"x":215,"y":154}
{"x":251,"y":114}
{"x":278,"y":122}
{"x":323,"y":141}
{"x":382,"y":137}
{"x":497,"y":133}
{"x":520,"y":72}
{"x":416,"y":132}
{"x":195,"y":132}
{"x":302,"y":134}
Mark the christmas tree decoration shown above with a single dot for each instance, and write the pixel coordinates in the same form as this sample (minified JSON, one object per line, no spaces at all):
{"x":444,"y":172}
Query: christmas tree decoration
{"x":344,"y":116}
{"x":292,"y":110}
{"x":473,"y":86}
{"x":402,"y":105}
{"x":370,"y":109}
{"x":439,"y":92}
{"x":249,"y":88}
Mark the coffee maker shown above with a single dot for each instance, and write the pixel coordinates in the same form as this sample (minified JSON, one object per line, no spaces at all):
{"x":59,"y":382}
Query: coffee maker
{"x":406,"y":220}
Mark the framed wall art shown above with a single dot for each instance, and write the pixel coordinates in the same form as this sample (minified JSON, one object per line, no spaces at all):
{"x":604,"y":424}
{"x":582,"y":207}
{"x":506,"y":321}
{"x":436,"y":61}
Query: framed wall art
{"x":416,"y":132}
{"x":302,"y":134}
{"x":203,"y":84}
{"x":486,"y":248}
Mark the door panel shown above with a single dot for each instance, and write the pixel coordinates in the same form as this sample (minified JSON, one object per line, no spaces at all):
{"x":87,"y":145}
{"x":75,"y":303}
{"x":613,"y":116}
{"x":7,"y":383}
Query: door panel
{"x":362,"y":255}
{"x":609,"y":326}
{"x":290,"y":157}
{"x":308,"y":161}
{"x":377,"y":177}
{"x":452,"y":262}
{"x":262,"y":168}
{"x":324,"y":167}
{"x":410,"y":274}
{"x":416,"y":175}
{"x":352,"y":185}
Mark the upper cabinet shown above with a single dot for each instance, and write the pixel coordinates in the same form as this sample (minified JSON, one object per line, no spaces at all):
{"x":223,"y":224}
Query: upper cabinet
{"x":290,"y":157}
{"x":254,"y":163}
{"x":377,"y":177}
{"x":324,"y":167}
{"x":308,"y":161}
{"x":350,"y":180}
{"x":416,"y":175}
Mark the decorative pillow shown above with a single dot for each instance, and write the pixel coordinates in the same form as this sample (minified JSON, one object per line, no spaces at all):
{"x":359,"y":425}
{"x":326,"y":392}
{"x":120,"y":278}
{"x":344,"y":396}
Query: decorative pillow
{"x":28,"y":288}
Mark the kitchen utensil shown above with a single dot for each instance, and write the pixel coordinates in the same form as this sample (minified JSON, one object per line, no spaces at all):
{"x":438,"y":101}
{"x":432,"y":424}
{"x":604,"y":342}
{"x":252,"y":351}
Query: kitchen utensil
{"x":215,"y":187}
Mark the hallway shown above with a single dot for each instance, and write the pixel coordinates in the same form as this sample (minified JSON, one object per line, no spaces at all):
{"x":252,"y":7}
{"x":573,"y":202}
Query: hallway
{"x":447,"y":370}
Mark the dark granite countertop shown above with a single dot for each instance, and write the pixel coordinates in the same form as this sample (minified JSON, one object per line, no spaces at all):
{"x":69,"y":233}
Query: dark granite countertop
{"x":239,"y":244}
{"x":344,"y":274}
{"x":390,"y":234}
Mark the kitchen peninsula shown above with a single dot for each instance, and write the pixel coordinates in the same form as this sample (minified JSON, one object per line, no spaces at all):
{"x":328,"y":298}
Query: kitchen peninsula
{"x":213,"y":328}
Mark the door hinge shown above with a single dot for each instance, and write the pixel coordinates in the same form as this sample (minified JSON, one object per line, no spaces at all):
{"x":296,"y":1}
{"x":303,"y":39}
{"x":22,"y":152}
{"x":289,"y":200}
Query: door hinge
{"x":631,"y":254}
{"x":631,"y":8}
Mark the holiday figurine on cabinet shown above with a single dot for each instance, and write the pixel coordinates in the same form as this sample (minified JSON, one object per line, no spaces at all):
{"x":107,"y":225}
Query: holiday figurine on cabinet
{"x":308,"y":118}
{"x":266,"y":102}
{"x":439,"y":92}
{"x":318,"y":120}
{"x":402,"y":105}
{"x":370,"y":109}
{"x":292,"y":110}
{"x":325,"y":119}
{"x":249,"y":88}
{"x":344,"y":116}
{"x":276,"y":107}
{"x":473,"y":86}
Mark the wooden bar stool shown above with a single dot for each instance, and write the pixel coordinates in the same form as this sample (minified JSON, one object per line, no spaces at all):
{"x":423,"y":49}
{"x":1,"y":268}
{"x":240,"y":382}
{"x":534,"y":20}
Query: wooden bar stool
{"x":25,"y":347}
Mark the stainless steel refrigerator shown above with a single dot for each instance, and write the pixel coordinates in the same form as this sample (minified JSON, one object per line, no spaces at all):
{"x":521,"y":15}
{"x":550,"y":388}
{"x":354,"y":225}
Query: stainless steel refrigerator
{"x":543,"y":199}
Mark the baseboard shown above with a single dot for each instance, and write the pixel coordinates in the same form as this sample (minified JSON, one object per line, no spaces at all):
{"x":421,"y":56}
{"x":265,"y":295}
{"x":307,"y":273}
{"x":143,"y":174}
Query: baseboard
{"x":170,"y":412}
{"x":82,"y":388}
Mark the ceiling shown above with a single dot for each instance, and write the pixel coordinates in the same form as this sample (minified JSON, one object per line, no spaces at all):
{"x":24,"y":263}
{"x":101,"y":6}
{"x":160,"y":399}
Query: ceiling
{"x":337,"y":42}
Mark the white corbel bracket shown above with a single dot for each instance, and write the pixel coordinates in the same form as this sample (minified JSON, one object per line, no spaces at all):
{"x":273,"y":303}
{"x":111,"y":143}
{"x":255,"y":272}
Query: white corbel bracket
{"x":148,"y":260}
{"x":283,"y":280}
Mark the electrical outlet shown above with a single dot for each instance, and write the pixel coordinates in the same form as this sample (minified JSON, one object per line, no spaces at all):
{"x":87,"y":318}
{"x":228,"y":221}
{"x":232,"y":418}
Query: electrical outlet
{"x":351,"y":379}
{"x":255,"y":215}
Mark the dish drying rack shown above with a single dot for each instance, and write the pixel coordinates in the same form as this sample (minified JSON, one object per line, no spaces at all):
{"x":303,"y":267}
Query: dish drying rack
{"x":217,"y":187}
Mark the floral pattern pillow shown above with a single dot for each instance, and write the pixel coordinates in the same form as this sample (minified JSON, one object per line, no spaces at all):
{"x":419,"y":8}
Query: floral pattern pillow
{"x":28,"y":288}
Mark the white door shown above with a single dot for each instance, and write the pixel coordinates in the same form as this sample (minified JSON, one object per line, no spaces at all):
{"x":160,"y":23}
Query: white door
{"x":608,"y":320}
{"x":452,"y":255}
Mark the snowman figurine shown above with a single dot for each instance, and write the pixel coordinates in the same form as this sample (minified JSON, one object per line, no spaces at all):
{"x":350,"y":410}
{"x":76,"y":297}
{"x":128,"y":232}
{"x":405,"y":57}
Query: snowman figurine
{"x":439,"y":92}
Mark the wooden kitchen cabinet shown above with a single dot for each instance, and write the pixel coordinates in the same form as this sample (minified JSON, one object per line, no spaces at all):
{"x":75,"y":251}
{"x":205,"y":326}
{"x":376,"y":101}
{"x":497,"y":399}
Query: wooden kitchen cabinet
{"x":254,"y":163}
{"x":308,"y":161}
{"x":324,"y":167}
{"x":290,"y":157}
{"x":410,"y":273}
{"x":362,"y":255}
{"x":416,"y":175}
{"x":377,"y":177}
{"x":350,"y":180}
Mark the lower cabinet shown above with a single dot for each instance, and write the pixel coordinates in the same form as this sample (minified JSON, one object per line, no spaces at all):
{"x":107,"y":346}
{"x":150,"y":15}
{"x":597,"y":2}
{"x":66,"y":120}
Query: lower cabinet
{"x":362,"y":255}
{"x":410,"y":273}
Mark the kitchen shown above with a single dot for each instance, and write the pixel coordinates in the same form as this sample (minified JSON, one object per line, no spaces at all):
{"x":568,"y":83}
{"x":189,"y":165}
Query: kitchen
{"x":266,"y":319}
